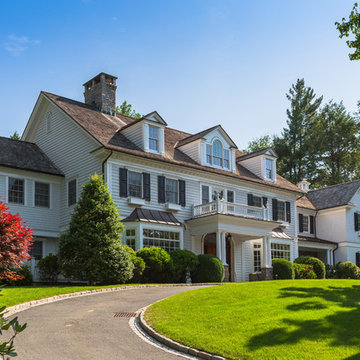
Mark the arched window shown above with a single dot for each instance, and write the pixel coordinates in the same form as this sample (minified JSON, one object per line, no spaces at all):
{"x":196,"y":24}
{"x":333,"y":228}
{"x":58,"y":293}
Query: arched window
{"x":217,"y":153}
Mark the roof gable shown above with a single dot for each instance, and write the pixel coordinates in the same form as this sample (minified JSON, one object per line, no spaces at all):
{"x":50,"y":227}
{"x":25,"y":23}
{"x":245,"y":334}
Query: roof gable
{"x":266,"y":151}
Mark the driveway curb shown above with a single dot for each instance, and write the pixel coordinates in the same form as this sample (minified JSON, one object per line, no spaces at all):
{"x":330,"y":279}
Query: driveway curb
{"x":27,"y":305}
{"x":173,"y":344}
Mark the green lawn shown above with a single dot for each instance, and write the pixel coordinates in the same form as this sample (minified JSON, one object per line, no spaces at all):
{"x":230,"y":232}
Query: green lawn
{"x":12,"y":295}
{"x":288,"y":319}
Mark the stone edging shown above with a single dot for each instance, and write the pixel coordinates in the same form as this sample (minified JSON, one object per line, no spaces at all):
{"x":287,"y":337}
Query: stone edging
{"x":173,"y":344}
{"x":27,"y":305}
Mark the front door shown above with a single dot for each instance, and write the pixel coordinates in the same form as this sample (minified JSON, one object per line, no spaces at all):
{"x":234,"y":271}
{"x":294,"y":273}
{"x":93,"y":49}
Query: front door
{"x":210,"y":244}
{"x":229,"y":257}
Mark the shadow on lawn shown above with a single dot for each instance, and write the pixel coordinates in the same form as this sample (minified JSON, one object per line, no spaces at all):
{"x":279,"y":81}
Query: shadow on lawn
{"x":339,"y":329}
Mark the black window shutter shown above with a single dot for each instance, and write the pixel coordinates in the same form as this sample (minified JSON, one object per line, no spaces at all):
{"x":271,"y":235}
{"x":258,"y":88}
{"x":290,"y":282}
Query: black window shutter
{"x":182,"y":193}
{"x":146,"y":186}
{"x":264,"y":201}
{"x":161,"y":189}
{"x":250,"y":199}
{"x":301,"y":223}
{"x":123,"y":182}
{"x":230,"y":196}
{"x":356,"y":221}
{"x":311,"y":224}
{"x":358,"y":259}
{"x":288,"y":211}
{"x":274,"y":209}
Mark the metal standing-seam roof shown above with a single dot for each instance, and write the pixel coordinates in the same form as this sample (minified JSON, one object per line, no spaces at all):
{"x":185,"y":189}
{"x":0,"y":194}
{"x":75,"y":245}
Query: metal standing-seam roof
{"x":152,"y":216}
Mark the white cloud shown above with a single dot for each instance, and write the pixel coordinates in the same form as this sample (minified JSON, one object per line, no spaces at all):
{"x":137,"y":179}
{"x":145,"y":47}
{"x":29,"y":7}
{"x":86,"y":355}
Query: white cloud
{"x":15,"y":45}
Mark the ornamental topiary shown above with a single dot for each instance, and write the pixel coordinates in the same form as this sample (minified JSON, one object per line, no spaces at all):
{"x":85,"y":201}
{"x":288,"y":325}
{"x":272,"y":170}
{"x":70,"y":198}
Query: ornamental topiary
{"x":303,"y":271}
{"x":318,"y":265}
{"x":210,"y":269}
{"x":139,"y":265}
{"x":49,"y":268}
{"x":91,"y":250}
{"x":347,"y":270}
{"x":158,"y":265}
{"x":184,"y":262}
{"x":283,"y":269}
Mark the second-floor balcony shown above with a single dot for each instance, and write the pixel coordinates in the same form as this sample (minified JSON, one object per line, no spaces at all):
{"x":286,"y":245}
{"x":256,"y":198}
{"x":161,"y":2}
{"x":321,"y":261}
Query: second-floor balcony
{"x":228,"y":208}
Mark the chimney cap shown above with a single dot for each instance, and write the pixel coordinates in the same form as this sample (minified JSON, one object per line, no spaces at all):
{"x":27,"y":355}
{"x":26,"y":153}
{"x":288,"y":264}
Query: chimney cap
{"x":98,"y":77}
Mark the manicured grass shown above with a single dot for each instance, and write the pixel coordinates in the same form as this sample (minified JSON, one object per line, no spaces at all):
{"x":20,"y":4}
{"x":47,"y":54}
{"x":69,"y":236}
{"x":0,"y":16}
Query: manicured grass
{"x":12,"y":295}
{"x":289,"y":319}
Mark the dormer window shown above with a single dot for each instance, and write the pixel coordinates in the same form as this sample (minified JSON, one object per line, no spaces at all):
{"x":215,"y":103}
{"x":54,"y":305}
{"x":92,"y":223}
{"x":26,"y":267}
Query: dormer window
{"x":208,"y":154}
{"x":269,"y":169}
{"x":226,"y":159}
{"x":153,"y":138}
{"x":217,"y":153}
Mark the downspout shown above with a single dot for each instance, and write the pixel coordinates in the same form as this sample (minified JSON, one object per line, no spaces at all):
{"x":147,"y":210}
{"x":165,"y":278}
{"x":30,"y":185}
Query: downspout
{"x":103,"y":164}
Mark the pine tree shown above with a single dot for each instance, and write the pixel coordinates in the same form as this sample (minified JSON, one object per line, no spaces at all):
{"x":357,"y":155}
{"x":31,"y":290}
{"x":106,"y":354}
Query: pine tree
{"x":91,"y":248}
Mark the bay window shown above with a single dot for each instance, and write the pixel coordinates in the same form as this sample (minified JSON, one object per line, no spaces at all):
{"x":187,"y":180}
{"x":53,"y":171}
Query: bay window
{"x":130,"y":238}
{"x":280,"y":251}
{"x":167,"y":240}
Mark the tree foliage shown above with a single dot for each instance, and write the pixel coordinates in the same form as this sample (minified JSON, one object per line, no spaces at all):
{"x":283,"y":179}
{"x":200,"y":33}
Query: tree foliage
{"x":262,"y":142}
{"x":15,"y":243}
{"x":15,"y":136}
{"x":351,"y":27}
{"x":127,"y":109}
{"x":91,"y":249}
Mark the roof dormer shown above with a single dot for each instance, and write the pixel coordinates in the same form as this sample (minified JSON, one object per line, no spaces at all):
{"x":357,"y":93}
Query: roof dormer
{"x":261,"y":162}
{"x":147,"y":133}
{"x":212,"y":147}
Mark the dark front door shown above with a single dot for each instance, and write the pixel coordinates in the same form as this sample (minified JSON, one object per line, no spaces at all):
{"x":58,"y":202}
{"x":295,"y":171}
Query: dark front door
{"x":229,"y":257}
{"x":210,"y":244}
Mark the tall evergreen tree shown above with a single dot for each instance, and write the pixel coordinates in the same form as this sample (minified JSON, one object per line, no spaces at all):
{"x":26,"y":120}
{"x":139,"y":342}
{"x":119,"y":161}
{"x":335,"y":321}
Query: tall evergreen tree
{"x":295,"y":159}
{"x":91,"y":249}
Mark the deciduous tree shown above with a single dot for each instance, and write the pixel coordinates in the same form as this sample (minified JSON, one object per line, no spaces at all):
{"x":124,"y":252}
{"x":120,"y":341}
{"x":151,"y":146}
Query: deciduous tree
{"x":127,"y":109}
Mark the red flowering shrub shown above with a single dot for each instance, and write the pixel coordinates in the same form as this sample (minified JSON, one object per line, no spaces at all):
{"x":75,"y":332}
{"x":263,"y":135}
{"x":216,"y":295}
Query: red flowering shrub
{"x":15,"y":242}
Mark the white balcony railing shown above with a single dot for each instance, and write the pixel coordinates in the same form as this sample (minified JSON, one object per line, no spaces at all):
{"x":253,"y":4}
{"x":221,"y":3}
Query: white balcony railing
{"x":224,"y":207}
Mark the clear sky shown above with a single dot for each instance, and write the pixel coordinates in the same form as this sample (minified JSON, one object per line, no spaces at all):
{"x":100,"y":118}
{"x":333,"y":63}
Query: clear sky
{"x":197,"y":62}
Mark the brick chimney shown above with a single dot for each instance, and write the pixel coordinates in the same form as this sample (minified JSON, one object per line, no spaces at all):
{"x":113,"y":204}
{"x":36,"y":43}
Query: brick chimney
{"x":100,"y":92}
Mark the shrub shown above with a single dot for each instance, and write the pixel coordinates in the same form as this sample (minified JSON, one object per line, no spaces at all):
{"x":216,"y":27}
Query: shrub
{"x":139,"y":265}
{"x":158,"y":264}
{"x":318,"y":265}
{"x":23,"y":277}
{"x":210,"y":269}
{"x":303,"y":271}
{"x":330,"y":271}
{"x":49,"y":268}
{"x":91,"y":249}
{"x":184,"y":262}
{"x":283,"y":269}
{"x":347,"y":270}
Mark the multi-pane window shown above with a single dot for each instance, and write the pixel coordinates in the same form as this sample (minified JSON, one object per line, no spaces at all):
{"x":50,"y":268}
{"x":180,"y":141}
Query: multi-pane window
{"x":226,"y":159}
{"x":153,"y":138}
{"x":167,"y":240}
{"x":280,"y":251}
{"x":130,"y":238}
{"x":135,"y":184}
{"x":217,"y":153}
{"x":281,"y":211}
{"x":42,"y":194}
{"x":257,"y":201}
{"x":208,"y":154}
{"x":305,"y":221}
{"x":36,"y":250}
{"x":16,"y":191}
{"x":205,"y":194}
{"x":171,"y":191}
{"x":72,"y":192}
{"x":269,"y":168}
{"x":257,"y":257}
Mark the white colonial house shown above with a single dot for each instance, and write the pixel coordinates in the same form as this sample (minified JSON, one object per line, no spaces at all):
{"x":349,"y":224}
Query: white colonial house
{"x":173,"y":189}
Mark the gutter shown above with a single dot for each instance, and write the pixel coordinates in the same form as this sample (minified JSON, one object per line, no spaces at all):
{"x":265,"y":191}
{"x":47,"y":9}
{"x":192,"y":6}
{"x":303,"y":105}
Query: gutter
{"x":103,"y":164}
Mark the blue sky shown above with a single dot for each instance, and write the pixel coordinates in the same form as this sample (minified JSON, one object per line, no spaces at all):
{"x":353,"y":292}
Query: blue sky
{"x":197,"y":62}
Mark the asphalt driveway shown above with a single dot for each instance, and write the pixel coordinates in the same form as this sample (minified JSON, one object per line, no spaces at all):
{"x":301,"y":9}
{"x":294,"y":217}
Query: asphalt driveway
{"x":84,"y":327}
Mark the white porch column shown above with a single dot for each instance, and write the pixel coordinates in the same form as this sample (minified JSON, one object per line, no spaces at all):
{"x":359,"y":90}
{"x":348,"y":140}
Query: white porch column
{"x":268,"y":245}
{"x":218,"y":245}
{"x":264,"y":257}
{"x":223,"y":247}
{"x":328,"y":256}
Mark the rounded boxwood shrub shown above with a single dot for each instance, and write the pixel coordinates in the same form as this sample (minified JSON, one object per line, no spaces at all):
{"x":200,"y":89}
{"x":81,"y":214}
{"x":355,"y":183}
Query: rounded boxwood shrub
{"x":210,"y":269}
{"x":347,"y":270}
{"x":158,"y":265}
{"x":318,"y":265}
{"x":139,"y":265}
{"x":283,"y":269}
{"x":303,"y":271}
{"x":184,"y":262}
{"x":49,"y":268}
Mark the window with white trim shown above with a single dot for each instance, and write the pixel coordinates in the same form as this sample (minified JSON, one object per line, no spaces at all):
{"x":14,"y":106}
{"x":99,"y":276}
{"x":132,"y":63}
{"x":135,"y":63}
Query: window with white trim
{"x":226,"y":159}
{"x":72,"y":192}
{"x":281,"y":210}
{"x":135,"y":184}
{"x":167,"y":240}
{"x":280,"y":251}
{"x":36,"y":250}
{"x":218,"y":156}
{"x":217,"y":153}
{"x":257,"y":257}
{"x":130,"y":238}
{"x":208,"y":154}
{"x":269,"y":169}
{"x":305,"y":223}
{"x":16,"y":191}
{"x":153,"y":138}
{"x":42,"y":194}
{"x":171,"y":191}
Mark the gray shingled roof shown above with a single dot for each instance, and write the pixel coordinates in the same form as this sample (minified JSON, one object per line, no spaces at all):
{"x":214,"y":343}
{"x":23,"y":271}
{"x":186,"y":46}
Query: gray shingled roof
{"x":255,"y":153}
{"x":25,"y":155}
{"x":333,"y":196}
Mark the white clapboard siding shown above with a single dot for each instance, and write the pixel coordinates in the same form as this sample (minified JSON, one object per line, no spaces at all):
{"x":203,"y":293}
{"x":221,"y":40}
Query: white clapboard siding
{"x":136,"y":134}
{"x":192,"y":150}
{"x":69,"y":147}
